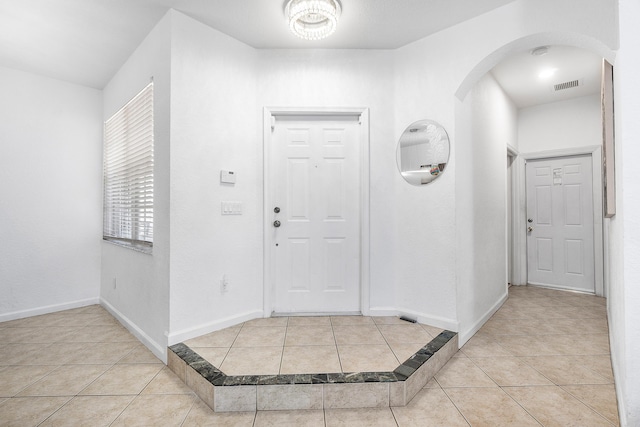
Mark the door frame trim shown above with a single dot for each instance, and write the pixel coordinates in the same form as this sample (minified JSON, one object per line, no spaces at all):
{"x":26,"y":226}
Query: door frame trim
{"x":269,"y":117}
{"x":516,"y":277}
{"x":595,"y":151}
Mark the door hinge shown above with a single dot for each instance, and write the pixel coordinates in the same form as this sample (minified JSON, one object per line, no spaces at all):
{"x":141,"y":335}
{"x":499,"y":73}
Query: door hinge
{"x":273,"y":123}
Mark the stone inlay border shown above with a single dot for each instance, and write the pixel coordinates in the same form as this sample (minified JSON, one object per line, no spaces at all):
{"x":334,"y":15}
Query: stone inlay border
{"x":403,"y":383}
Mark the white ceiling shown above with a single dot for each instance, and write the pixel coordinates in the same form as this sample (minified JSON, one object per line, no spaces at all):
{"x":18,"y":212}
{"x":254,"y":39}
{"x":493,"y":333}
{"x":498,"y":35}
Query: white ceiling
{"x":86,"y":41}
{"x":519,"y":75}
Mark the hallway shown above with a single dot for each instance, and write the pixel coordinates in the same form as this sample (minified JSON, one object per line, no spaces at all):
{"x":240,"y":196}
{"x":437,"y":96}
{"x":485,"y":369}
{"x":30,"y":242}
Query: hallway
{"x":542,"y":359}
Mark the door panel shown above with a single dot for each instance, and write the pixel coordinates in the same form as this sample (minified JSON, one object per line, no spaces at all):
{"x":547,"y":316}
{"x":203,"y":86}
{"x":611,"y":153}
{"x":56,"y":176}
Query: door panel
{"x":335,"y":264}
{"x":316,"y":249}
{"x":298,"y":186}
{"x":545,"y":254}
{"x":334,"y":189}
{"x":574,"y":255}
{"x":543,"y":205}
{"x":299,"y":260}
{"x":560,"y":251}
{"x":573,"y":204}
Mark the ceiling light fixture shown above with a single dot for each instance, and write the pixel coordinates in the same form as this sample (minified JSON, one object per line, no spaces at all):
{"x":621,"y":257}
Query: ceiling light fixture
{"x":547,"y":72}
{"x":313,"y":19}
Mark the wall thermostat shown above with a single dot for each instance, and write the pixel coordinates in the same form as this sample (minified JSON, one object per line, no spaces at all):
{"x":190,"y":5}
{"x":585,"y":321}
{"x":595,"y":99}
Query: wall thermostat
{"x":227,"y":177}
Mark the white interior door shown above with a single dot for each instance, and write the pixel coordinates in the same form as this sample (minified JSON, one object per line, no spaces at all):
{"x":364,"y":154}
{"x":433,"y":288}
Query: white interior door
{"x":560,"y":245}
{"x":315,"y":186}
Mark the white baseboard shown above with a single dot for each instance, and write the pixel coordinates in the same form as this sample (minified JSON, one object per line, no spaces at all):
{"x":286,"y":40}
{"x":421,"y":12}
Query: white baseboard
{"x":622,"y":411}
{"x":438,"y":322}
{"x":159,"y":350}
{"x":383,"y":311}
{"x":196,"y":331}
{"x":465,"y":336}
{"x":618,"y":377}
{"x":427,"y":319}
{"x":21,"y":314}
{"x":441,"y":322}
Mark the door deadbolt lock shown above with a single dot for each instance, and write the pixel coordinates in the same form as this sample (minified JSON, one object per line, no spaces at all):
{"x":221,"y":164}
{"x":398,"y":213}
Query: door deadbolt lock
{"x":276,"y":209}
{"x":529,"y":229}
{"x":529,"y":220}
{"x":276,"y":223}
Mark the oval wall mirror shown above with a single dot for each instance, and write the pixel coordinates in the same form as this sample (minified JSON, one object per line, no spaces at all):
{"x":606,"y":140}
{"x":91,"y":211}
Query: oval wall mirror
{"x":423,"y":152}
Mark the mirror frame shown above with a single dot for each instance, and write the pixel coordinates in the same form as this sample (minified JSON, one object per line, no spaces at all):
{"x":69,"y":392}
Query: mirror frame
{"x":428,"y":170}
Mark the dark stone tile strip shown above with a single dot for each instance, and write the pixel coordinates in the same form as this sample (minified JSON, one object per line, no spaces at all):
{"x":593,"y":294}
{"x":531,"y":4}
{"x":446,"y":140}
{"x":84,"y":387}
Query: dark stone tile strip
{"x":337,"y":378}
{"x":401,"y":373}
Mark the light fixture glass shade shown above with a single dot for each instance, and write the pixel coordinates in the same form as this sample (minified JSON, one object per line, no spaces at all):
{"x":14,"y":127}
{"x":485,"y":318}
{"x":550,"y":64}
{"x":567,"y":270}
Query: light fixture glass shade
{"x":313,"y":19}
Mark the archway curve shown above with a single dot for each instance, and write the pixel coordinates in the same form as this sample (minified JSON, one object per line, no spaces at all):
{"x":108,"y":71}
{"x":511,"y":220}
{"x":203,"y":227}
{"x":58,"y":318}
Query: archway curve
{"x":463,"y":142}
{"x":530,"y":42}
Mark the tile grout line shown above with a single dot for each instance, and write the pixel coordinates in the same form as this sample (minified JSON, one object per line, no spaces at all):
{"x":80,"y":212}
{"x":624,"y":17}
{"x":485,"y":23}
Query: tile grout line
{"x":387,"y":342}
{"x":71,"y":397}
{"x":588,"y":405}
{"x":454,"y":405}
{"x":553,"y":383}
{"x":54,"y":412}
{"x":521,"y":405}
{"x":284,"y":343}
{"x":56,"y":367}
{"x":124,"y":409}
{"x":254,"y":419}
{"x":223,"y":359}
{"x":393,"y":414}
{"x":335,"y":342}
{"x":138,"y":395}
{"x":188,"y":412}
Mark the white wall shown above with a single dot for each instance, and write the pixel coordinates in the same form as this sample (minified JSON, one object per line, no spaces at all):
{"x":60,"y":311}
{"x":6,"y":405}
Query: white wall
{"x":430,"y":75}
{"x":566,"y":124}
{"x":219,"y":89}
{"x":624,"y":271}
{"x":488,"y":121}
{"x":140,"y":298}
{"x":214,"y":108}
{"x":425,"y":215}
{"x":51,"y":206}
{"x":415,"y":264}
{"x":348,"y":78}
{"x":215,"y":125}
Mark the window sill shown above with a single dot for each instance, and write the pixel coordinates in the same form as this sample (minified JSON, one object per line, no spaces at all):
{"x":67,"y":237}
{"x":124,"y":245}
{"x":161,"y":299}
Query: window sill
{"x":145,"y":249}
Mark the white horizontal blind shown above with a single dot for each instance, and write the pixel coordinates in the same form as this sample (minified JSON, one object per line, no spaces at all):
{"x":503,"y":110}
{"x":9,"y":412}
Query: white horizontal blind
{"x":128,"y":171}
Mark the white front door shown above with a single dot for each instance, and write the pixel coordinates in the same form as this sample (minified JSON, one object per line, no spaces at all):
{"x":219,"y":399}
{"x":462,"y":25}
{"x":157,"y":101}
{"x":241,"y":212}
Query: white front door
{"x":560,"y":246}
{"x":315,"y":187}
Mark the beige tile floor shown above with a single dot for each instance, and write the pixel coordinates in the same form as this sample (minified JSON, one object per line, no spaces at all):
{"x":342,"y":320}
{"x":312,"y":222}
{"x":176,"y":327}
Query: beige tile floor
{"x":313,"y":345}
{"x":543,"y":359}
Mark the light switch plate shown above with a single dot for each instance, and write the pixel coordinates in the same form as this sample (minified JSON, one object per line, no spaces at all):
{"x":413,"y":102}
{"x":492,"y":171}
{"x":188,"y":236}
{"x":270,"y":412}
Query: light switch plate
{"x":231,"y":208}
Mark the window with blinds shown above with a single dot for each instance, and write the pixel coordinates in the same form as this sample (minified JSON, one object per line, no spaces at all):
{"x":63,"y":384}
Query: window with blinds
{"x":128,"y":172}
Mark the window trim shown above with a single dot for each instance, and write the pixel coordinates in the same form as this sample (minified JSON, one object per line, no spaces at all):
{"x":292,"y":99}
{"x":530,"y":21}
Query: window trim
{"x":128,"y":174}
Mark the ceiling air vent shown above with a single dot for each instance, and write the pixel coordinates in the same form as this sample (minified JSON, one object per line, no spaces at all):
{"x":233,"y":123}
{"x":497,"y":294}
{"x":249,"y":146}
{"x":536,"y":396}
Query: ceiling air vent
{"x":567,"y":85}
